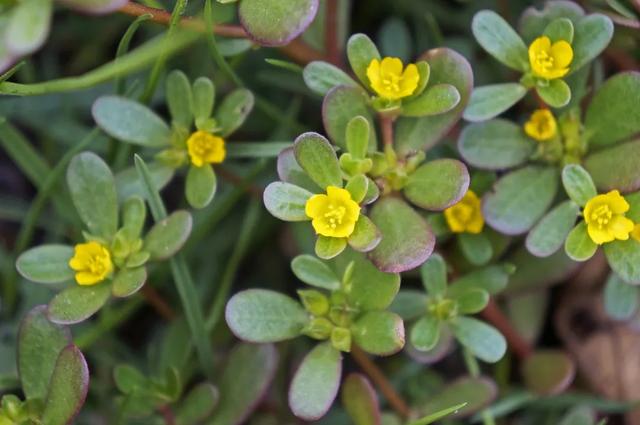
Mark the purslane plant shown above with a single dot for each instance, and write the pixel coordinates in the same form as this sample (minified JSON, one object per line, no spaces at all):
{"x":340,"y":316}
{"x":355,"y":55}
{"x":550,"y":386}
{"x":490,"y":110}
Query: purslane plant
{"x":191,"y":106}
{"x":349,"y":307}
{"x":562,"y":41}
{"x":113,"y":258}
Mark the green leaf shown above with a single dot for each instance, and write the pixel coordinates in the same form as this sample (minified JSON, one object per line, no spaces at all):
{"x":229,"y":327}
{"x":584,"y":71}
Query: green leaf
{"x":167,"y":236}
{"x":556,"y":94}
{"x":357,"y":136}
{"x":624,"y":259}
{"x":259,"y":315}
{"x":624,"y":159}
{"x":68,"y":388}
{"x":358,"y":186}
{"x":93,"y":191}
{"x":484,"y":341}
{"x":395,"y":39}
{"x":548,"y":372}
{"x":197,"y":405}
{"x":472,"y":301}
{"x":361,"y":51}
{"x":245,"y":379}
{"x":578,"y":184}
{"x":290,"y":171}
{"x":128,"y":379}
{"x":256,"y":149}
{"x":616,"y":98}
{"x":134,"y":214}
{"x":560,"y":29}
{"x":407,"y":239}
{"x":321,"y":77}
{"x":365,"y":236}
{"x":204,"y":95}
{"x":286,"y":201}
{"x":592,"y":35}
{"x":549,"y":234}
{"x":432,"y":418}
{"x":579,"y":246}
{"x":368,"y":288}
{"x":425,"y":333}
{"x":180,"y":99}
{"x":95,"y":6}
{"x":534,"y":21}
{"x":128,"y":281}
{"x":409,"y":304}
{"x":27,"y":27}
{"x":476,"y":248}
{"x":580,"y":415}
{"x":495,"y":145}
{"x":360,"y":400}
{"x":476,"y":393}
{"x":487,"y":102}
{"x":379,"y":332}
{"x":316,"y":383}
{"x":497,"y":37}
{"x":276,"y":22}
{"x":436,"y":99}
{"x":77,"y":303}
{"x":520,"y":198}
{"x":438,"y":184}
{"x":46,"y":264}
{"x":315,"y":272}
{"x":340,"y":105}
{"x":434,"y":275}
{"x":233,"y":111}
{"x":620,"y":298}
{"x":327,"y":247}
{"x":39,"y":344}
{"x":492,"y":279}
{"x":200,"y":186}
{"x":447,"y":67}
{"x":130,"y":121}
{"x":128,"y":184}
{"x":318,"y":159}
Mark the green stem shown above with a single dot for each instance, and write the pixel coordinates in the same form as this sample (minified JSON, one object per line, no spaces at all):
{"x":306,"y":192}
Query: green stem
{"x":184,"y":284}
{"x":123,"y":48}
{"x":106,"y":323}
{"x":474,"y":370}
{"x":240,"y":250}
{"x":213,"y":46}
{"x":131,"y":62}
{"x":154,"y":76}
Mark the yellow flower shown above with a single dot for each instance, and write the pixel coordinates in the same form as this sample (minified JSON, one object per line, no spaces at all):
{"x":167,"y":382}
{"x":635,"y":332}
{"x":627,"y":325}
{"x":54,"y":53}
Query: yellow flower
{"x":541,"y":126}
{"x":334,"y":214}
{"x":604,"y":215}
{"x":466,"y":215}
{"x":92,"y":263}
{"x":550,"y":61}
{"x":205,"y":148}
{"x":389,"y":81}
{"x":635,"y":233}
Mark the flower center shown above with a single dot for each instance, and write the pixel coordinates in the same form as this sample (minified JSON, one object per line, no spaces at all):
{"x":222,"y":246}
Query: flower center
{"x":601,"y":216}
{"x":544,"y":60}
{"x":463,"y":212}
{"x":334,"y":215}
{"x":391,"y":82}
{"x":97,"y":264}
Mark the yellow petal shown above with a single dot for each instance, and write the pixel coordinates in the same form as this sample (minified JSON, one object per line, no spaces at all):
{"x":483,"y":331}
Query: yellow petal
{"x":373,"y":72}
{"x":562,"y":54}
{"x":599,"y":236}
{"x":620,"y":227}
{"x":409,"y":81}
{"x":635,"y":233}
{"x":617,"y":203}
{"x":540,"y":44}
{"x":391,"y":66}
{"x":86,"y":278}
{"x":315,"y":205}
{"x":476,"y":224}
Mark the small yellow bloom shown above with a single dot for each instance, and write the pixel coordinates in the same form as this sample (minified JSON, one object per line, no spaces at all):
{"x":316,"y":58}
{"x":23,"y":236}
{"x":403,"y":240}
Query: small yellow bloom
{"x":466,"y":215}
{"x":635,"y":233}
{"x":550,"y":61}
{"x":205,"y":148}
{"x":92,"y":263}
{"x":388,"y":79}
{"x":604,"y":215}
{"x":334,"y":214}
{"x":541,"y":126}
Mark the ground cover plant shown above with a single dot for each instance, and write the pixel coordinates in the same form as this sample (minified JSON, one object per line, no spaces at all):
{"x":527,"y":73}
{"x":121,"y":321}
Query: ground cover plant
{"x":263,"y":212}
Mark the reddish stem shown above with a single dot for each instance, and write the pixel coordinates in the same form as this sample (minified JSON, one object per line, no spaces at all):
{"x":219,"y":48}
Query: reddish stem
{"x":157,"y":302}
{"x":518,"y":345}
{"x":331,"y":45}
{"x":386,"y":128}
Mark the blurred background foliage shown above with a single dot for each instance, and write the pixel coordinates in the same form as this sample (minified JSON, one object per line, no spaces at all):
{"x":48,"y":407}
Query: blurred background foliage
{"x":237,"y":243}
